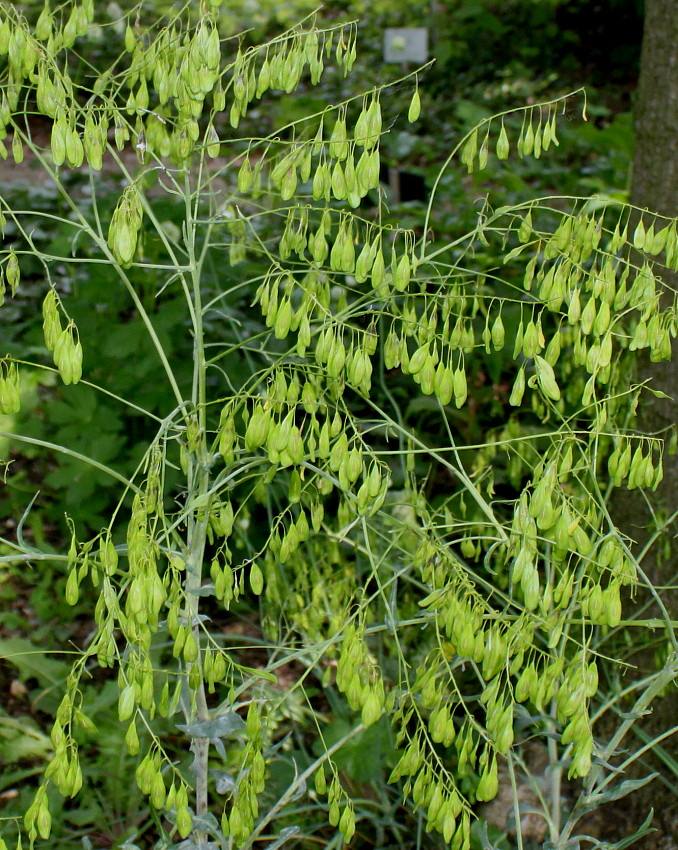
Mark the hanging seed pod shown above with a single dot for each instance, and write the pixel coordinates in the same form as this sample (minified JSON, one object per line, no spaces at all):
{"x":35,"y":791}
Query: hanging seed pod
{"x":338,"y":182}
{"x":321,"y":183}
{"x":373,"y":124}
{"x":12,"y":272}
{"x":258,"y":429}
{"x":401,"y":275}
{"x":415,"y":106}
{"x":484,"y":152}
{"x":338,"y":142}
{"x":58,"y":141}
{"x":378,"y":270}
{"x":75,"y":152}
{"x":536,"y":151}
{"x":528,"y":139}
{"x":469,"y":151}
{"x":516,"y":397}
{"x":460,"y":386}
{"x":546,"y":378}
{"x":283,"y":319}
{"x":212,"y":143}
{"x":502,"y":144}
{"x":10,"y":394}
{"x":497,"y":333}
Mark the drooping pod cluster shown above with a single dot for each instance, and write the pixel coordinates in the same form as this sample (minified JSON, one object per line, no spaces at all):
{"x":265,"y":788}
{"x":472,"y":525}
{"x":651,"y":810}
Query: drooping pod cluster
{"x":538,"y":132}
{"x":10,"y":272}
{"x":606,"y":304}
{"x":10,"y":387}
{"x":172,"y":77}
{"x":125,"y":225}
{"x":63,"y":342}
{"x":349,"y":293}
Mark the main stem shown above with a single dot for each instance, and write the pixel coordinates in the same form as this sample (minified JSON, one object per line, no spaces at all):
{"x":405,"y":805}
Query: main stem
{"x":198,"y":489}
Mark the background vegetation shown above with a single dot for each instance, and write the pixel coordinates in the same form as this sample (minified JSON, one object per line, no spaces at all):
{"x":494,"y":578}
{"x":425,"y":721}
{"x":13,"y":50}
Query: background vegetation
{"x":490,"y":58}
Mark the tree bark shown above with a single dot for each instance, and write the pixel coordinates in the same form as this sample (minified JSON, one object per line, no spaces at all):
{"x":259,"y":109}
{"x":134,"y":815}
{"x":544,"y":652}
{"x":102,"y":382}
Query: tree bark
{"x":655,"y":165}
{"x":654,"y":187}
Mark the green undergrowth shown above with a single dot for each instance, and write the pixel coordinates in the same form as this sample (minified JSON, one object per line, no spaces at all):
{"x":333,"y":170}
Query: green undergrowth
{"x":326,"y":489}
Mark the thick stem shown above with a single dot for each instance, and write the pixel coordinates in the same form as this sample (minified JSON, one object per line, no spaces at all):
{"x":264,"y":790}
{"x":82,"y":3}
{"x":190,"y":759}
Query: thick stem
{"x":198,"y":493}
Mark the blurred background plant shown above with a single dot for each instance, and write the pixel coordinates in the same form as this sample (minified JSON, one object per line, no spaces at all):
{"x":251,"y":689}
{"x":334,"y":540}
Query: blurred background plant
{"x":490,"y":57}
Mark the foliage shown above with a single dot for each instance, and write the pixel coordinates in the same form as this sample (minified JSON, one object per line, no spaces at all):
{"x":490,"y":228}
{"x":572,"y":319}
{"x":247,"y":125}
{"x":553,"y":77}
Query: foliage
{"x":390,"y":450}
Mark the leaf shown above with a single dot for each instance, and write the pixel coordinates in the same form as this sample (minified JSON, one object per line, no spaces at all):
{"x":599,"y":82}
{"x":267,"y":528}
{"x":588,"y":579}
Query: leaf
{"x":628,"y":786}
{"x":32,"y":661}
{"x":189,"y":844}
{"x":225,"y":782}
{"x":286,"y":833}
{"x":206,"y":823}
{"x":259,"y":674}
{"x":20,"y":738}
{"x":224,"y":725}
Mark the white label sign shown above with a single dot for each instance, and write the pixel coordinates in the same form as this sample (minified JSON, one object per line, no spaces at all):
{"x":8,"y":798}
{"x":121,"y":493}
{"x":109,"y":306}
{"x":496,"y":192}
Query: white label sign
{"x":406,"y":44}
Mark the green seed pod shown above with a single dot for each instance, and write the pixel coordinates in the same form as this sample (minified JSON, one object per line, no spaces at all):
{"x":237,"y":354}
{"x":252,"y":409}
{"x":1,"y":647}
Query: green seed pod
{"x":190,"y":649}
{"x":502,"y":144}
{"x":378,"y":270}
{"x":528,"y":140}
{"x":289,"y":183}
{"x":258,"y":429}
{"x":126,"y":703}
{"x":401,"y":275}
{"x":212,"y":142}
{"x":612,"y":605}
{"x":43,"y":821}
{"x":580,"y":765}
{"x":639,"y":236}
{"x":256,"y":579}
{"x":132,"y":739}
{"x":443,"y":383}
{"x":373,"y":124}
{"x":484,"y":152}
{"x":17,"y":148}
{"x":320,"y":183}
{"x":469,"y":151}
{"x":72,"y":588}
{"x":338,"y":452}
{"x":546,"y":378}
{"x":75,"y":152}
{"x":426,"y":376}
{"x":122,"y":238}
{"x":516,"y":397}
{"x":295,"y":447}
{"x":283,"y":319}
{"x":245,"y":176}
{"x":489,"y":782}
{"x":415,"y":107}
{"x":596,"y":605}
{"x":347,"y":257}
{"x":338,"y":182}
{"x":58,"y":140}
{"x":418,"y":359}
{"x":184,"y":822}
{"x":372,"y":709}
{"x":460,"y":386}
{"x":338,"y":143}
{"x":51,"y":323}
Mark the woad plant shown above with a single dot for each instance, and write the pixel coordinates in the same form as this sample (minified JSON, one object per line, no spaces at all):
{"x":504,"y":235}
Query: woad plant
{"x":461,"y":599}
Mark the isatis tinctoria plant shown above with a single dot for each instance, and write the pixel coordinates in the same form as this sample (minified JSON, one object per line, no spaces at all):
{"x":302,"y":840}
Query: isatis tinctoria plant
{"x":462,"y":619}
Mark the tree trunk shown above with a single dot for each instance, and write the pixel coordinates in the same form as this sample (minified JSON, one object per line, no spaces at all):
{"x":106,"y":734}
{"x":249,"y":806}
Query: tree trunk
{"x":655,"y":187}
{"x":655,"y":165}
